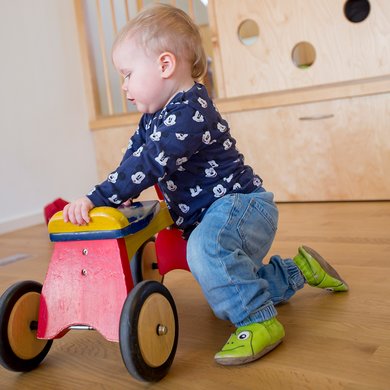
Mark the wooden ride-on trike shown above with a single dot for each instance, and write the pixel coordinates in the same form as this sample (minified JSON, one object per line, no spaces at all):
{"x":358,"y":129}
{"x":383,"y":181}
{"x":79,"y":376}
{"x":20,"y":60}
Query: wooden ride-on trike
{"x":89,"y":285}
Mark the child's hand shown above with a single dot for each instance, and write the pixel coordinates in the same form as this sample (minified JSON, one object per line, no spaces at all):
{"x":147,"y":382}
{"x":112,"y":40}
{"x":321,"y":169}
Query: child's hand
{"x":77,"y":211}
{"x":128,"y":203}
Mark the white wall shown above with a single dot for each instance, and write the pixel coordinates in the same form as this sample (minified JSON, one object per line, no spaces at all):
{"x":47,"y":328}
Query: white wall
{"x":46,"y":148}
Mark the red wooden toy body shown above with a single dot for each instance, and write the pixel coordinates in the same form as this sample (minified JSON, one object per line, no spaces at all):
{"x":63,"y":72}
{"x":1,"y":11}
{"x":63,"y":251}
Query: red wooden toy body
{"x":89,"y":275}
{"x":87,"y":283}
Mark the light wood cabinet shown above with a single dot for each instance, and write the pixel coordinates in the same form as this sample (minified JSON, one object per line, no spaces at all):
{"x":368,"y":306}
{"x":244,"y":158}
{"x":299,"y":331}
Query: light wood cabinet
{"x":314,"y":133}
{"x":333,"y":150}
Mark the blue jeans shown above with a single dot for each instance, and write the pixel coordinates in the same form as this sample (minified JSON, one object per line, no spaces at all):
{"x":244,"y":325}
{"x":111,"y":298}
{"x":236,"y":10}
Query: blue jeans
{"x":225,"y":253}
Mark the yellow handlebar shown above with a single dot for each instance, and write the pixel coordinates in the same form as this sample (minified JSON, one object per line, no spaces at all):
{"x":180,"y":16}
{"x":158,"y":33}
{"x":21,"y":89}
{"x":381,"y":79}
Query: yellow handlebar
{"x":102,"y":218}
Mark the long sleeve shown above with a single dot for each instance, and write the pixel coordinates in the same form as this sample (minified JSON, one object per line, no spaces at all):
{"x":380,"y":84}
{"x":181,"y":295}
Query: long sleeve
{"x":136,"y":140}
{"x":161,"y":145}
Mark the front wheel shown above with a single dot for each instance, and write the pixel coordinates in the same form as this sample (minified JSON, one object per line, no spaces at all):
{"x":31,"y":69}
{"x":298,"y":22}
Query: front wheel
{"x":20,"y":350}
{"x":148,"y":332}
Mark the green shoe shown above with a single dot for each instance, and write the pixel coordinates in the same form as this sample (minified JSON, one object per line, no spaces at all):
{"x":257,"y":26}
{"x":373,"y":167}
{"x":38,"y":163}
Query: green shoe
{"x":251,"y":342}
{"x":317,"y":272}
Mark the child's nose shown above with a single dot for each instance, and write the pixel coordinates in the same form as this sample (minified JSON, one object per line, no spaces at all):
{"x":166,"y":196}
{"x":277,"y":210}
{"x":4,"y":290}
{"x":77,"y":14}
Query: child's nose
{"x":124,"y":85}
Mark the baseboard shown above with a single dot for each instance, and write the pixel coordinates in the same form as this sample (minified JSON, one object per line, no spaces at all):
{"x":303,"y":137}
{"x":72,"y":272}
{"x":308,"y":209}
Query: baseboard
{"x":21,"y":222}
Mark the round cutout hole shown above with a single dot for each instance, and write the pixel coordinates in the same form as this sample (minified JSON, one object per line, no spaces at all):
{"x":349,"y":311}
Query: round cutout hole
{"x":303,"y":55}
{"x":356,"y":10}
{"x":248,"y":32}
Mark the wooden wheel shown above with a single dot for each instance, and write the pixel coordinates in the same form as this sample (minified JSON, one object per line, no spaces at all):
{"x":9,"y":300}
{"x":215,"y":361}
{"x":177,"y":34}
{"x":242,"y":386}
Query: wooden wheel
{"x":145,"y":266}
{"x":20,"y":350}
{"x":148,"y":332}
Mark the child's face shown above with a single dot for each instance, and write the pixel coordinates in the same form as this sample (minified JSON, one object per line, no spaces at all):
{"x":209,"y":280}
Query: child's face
{"x":143,"y":81}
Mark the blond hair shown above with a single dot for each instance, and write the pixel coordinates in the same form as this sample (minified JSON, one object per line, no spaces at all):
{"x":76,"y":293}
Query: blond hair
{"x":163,"y":27}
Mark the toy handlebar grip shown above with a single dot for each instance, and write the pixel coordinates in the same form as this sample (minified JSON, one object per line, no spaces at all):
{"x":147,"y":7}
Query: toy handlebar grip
{"x":102,"y":218}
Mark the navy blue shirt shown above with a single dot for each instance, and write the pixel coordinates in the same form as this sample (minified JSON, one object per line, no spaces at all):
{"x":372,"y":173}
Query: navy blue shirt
{"x":187,"y":149}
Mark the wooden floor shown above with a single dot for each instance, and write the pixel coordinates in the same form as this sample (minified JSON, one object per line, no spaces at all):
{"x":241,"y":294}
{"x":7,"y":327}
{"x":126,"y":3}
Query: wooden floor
{"x":333,"y":341}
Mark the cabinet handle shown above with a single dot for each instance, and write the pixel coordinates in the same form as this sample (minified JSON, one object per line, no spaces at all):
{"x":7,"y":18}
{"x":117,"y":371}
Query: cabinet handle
{"x":316,"y":117}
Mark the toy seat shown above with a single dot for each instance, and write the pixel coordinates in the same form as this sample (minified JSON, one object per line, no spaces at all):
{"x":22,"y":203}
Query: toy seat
{"x":171,"y":247}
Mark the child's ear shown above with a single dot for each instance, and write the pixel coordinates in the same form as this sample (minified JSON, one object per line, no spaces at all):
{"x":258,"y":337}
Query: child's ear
{"x":167,"y":63}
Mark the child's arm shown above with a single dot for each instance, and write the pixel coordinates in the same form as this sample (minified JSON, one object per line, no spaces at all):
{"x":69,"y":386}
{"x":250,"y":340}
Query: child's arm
{"x":137,"y":139}
{"x":164,"y":151}
{"x":77,"y":212}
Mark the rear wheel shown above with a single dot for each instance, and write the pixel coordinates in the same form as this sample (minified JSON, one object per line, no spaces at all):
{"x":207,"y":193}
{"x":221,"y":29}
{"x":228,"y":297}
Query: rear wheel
{"x":145,"y":266}
{"x":20,"y":350}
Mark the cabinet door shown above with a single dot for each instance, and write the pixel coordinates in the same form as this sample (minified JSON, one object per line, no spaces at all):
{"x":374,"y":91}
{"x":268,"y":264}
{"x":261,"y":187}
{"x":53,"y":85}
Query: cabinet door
{"x":333,"y":150}
{"x":344,"y":51}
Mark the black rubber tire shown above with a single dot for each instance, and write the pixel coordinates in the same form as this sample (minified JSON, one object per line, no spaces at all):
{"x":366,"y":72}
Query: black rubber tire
{"x":131,"y":326}
{"x":138,"y":264}
{"x":8,"y":358}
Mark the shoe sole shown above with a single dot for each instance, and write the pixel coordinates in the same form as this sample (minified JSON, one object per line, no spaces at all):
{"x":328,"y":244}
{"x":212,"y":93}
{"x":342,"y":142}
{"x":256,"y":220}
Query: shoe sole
{"x":327,"y":268}
{"x":238,"y":361}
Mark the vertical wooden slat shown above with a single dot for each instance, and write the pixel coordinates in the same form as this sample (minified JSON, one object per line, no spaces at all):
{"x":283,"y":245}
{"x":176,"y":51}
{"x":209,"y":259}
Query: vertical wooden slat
{"x":140,"y":5}
{"x":191,"y":10}
{"x":104,"y":58}
{"x":90,"y":77}
{"x":115,"y":28}
{"x":113,"y":17}
{"x":219,"y":81}
{"x":127,"y":10}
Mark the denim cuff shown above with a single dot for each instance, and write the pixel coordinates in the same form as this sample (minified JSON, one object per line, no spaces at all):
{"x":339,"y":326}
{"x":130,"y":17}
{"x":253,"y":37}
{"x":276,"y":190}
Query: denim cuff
{"x":265,"y":313}
{"x":296,"y":279}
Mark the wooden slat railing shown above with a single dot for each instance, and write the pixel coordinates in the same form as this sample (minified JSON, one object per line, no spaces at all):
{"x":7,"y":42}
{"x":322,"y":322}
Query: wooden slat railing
{"x":97,"y":30}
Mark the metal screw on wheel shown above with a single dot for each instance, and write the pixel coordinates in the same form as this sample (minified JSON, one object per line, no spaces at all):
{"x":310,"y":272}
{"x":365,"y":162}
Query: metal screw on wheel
{"x":20,"y":350}
{"x":148,"y":331}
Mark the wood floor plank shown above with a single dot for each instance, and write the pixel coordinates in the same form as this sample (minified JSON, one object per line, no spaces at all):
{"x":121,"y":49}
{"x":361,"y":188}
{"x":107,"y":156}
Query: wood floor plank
{"x":333,"y":341}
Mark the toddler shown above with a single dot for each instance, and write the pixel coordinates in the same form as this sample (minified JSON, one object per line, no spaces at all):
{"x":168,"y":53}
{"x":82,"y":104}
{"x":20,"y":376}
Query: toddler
{"x":184,"y":145}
